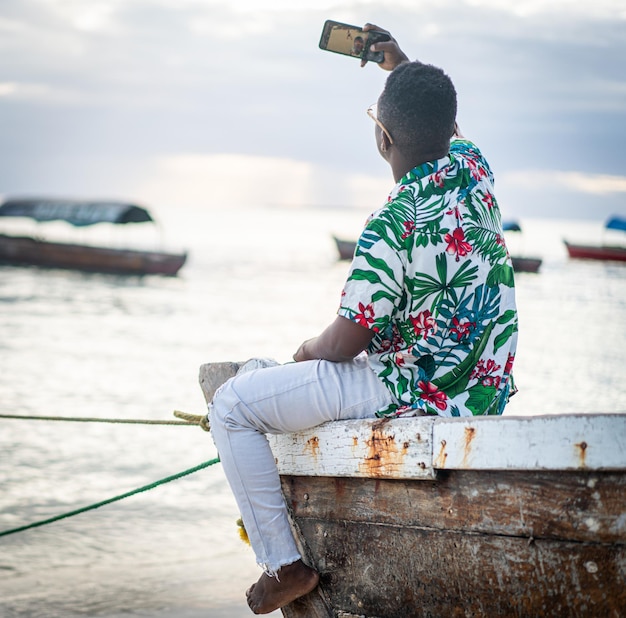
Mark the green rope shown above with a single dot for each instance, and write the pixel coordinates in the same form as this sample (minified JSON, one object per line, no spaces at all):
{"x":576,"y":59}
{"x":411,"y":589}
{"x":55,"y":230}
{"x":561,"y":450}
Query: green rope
{"x":91,"y":507}
{"x":83,"y":419}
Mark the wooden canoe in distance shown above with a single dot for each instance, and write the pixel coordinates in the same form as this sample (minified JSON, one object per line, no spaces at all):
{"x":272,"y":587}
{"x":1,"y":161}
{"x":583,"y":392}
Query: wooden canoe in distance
{"x":484,"y":516}
{"x":45,"y":253}
{"x":596,"y":252}
{"x":524,"y":264}
{"x":603,"y":251}
{"x":27,"y":251}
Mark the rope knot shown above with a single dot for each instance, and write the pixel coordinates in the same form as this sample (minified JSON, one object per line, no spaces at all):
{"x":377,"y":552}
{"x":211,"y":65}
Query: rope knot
{"x":194,"y":419}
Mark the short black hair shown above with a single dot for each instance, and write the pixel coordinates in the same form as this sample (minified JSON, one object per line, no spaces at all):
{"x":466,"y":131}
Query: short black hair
{"x":418,"y":108}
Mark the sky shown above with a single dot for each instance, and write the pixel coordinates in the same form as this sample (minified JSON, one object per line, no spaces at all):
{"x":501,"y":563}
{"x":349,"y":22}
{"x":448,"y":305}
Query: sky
{"x":213,"y":104}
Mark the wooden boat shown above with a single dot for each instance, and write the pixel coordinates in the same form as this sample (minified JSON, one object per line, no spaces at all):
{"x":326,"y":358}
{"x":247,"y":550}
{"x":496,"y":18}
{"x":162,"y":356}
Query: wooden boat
{"x":596,"y":252}
{"x":600,"y":252}
{"x":483,"y":516}
{"x":528,"y":264}
{"x":522,"y":264}
{"x":27,"y":250}
{"x":345,"y":248}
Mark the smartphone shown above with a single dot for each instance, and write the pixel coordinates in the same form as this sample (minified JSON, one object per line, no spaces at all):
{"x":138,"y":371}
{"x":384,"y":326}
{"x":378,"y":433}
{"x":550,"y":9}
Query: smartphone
{"x":351,"y":41}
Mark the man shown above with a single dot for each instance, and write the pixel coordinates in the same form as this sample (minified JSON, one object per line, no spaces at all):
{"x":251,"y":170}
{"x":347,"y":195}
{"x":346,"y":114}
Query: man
{"x":357,"y":46}
{"x":429,"y":296}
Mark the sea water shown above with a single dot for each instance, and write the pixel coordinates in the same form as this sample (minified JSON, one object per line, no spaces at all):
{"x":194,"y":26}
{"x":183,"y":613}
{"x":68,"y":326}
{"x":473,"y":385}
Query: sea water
{"x":258,"y":282}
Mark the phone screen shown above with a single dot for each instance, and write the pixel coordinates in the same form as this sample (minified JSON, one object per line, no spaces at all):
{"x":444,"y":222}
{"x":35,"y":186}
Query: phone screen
{"x":351,"y":41}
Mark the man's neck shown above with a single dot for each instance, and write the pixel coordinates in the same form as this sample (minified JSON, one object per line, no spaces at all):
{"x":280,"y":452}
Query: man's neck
{"x":401,"y":166}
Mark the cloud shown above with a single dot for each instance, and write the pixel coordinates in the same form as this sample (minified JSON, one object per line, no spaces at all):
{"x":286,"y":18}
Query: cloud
{"x":244,"y":180}
{"x":86,"y":85}
{"x":572,"y":182}
{"x":225,"y":180}
{"x":603,"y":9}
{"x":25,"y":91}
{"x":241,"y":180}
{"x":8,"y":89}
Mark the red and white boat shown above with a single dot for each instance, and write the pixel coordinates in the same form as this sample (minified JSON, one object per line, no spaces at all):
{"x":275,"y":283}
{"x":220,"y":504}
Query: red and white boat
{"x":603,"y":251}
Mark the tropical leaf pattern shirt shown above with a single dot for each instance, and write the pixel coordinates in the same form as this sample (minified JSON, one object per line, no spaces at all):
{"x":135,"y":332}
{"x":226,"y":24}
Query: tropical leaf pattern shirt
{"x":431,"y":276}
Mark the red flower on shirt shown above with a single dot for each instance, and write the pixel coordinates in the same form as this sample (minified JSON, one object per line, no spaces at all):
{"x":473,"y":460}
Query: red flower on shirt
{"x":457,"y":243}
{"x":455,"y":211}
{"x":409,"y":228}
{"x":439,"y":178}
{"x":488,"y":199}
{"x":461,"y":327}
{"x":483,"y":372}
{"x":423,"y":323}
{"x":432,"y":394}
{"x":366,"y":317}
{"x":476,"y":172}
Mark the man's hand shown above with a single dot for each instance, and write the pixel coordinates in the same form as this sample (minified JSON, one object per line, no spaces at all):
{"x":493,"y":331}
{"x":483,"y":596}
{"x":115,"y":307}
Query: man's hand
{"x":393,"y":54}
{"x":341,"y":341}
{"x":301,"y":354}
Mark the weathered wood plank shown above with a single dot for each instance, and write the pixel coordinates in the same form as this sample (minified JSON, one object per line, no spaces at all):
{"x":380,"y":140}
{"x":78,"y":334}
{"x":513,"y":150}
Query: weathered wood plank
{"x":505,"y":542}
{"x":399,"y":448}
{"x":213,"y":375}
{"x":556,"y":442}
{"x":572,"y":506}
{"x":316,"y":604}
{"x":416,"y":447}
{"x":312,"y":605}
{"x":399,"y":571}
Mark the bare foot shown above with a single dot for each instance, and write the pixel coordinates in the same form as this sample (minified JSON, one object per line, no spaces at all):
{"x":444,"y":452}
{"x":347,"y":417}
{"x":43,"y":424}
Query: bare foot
{"x":270,"y":593}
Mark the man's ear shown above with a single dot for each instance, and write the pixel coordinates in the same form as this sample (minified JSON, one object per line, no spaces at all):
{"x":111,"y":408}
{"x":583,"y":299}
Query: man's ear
{"x":384,"y":142}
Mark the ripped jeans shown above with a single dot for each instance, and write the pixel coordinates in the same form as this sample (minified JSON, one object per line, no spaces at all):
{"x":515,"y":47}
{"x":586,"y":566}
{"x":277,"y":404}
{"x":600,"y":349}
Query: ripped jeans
{"x":276,"y":400}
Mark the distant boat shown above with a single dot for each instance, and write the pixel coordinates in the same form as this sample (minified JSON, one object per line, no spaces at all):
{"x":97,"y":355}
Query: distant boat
{"x":521,"y":263}
{"x":346,"y":248}
{"x":601,"y":252}
{"x":27,"y":250}
{"x":526,"y":264}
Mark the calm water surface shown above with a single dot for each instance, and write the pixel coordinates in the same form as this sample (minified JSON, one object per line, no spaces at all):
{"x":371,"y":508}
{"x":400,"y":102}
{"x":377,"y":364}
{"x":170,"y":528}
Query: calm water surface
{"x":258,"y":282}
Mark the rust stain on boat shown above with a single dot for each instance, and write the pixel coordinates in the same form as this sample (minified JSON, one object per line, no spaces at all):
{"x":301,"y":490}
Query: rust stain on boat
{"x":379,"y":424}
{"x":383,"y":453}
{"x":582,"y":453}
{"x":313,"y":446}
{"x":470,"y":434}
{"x":440,"y":461}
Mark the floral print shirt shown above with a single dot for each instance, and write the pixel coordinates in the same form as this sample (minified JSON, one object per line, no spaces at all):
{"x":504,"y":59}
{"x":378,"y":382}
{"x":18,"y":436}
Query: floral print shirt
{"x":431,"y":276}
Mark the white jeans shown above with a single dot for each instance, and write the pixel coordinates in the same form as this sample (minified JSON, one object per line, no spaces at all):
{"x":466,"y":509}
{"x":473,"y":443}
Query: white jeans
{"x":282,"y":399}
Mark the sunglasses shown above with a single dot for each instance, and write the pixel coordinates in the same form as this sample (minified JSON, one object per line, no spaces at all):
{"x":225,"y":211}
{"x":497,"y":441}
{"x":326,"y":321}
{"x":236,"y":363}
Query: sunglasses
{"x":372,"y":112}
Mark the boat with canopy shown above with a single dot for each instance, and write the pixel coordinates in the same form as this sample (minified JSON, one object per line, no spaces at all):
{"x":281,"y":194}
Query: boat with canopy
{"x":34,"y":251}
{"x":602,"y":251}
